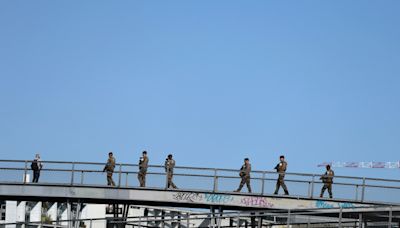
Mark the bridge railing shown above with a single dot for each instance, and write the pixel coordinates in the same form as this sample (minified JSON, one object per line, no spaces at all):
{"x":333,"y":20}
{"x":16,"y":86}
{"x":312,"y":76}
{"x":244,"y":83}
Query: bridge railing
{"x":358,"y":189}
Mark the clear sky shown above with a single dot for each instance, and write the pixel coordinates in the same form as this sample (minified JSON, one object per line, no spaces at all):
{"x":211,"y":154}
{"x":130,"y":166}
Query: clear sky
{"x":210,"y":81}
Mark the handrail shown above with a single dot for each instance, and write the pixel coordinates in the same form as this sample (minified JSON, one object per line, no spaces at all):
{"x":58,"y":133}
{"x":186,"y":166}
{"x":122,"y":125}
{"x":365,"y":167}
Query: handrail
{"x":207,"y":168}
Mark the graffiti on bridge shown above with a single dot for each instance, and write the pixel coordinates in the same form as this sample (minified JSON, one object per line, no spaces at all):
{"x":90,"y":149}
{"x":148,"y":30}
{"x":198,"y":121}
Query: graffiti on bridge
{"x":202,"y":197}
{"x":217,"y":198}
{"x":188,"y":196}
{"x":327,"y":205}
{"x":256,"y":201}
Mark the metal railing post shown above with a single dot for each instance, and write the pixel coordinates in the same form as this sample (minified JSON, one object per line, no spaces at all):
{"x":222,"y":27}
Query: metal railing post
{"x":82,"y":174}
{"x":363,"y":190}
{"x":72,"y":173}
{"x":119,"y":175}
{"x":215,"y":188}
{"x":263,"y":183}
{"x":90,"y":223}
{"x":340,"y":217}
{"x":126,"y":180}
{"x":356,"y":192}
{"x":288,"y":219}
{"x":166,"y":178}
{"x":25,"y":171}
{"x":312,"y":186}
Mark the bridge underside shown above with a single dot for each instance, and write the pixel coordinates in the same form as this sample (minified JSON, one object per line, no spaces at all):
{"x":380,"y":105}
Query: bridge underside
{"x":162,"y":197}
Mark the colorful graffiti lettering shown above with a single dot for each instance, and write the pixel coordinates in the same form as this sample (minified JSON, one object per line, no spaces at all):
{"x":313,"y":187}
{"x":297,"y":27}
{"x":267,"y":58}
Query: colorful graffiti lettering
{"x":324,"y":204}
{"x":256,"y":201}
{"x":346,"y":205}
{"x":187,"y":196}
{"x":217,"y":198}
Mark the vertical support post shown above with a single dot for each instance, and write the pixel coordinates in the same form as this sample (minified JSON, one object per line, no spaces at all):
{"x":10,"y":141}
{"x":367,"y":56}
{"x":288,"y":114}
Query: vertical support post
{"x":312,"y":186}
{"x":360,"y":220}
{"x":238,"y":220}
{"x":219,"y":217}
{"x":72,"y":173}
{"x":259,"y":222}
{"x":356,"y":192}
{"x":288,"y":219}
{"x":340,"y":217}
{"x":363,"y":190}
{"x":390,"y":217}
{"x":69,"y":214}
{"x":166,"y":178}
{"x":263,"y":183}
{"x":215,"y":188}
{"x":126,"y":180}
{"x":212,"y":217}
{"x":90,"y":223}
{"x":162,"y":219}
{"x":25,"y":171}
{"x":119,"y":175}
{"x":188,"y":220}
{"x":82,"y":174}
{"x":78,"y":214}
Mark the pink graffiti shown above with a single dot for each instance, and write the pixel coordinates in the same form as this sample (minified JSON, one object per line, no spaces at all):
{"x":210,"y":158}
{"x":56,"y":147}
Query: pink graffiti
{"x":256,"y":201}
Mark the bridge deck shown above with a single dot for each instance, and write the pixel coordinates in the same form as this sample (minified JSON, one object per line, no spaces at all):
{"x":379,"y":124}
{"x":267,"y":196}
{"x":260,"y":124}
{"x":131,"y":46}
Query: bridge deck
{"x":163,"y":197}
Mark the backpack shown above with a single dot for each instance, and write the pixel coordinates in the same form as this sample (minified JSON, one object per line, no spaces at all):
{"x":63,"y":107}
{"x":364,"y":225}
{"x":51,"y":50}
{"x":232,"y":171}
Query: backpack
{"x":34,"y":165}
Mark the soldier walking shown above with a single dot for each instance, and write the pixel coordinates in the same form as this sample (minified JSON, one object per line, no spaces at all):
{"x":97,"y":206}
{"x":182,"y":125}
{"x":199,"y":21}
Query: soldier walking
{"x":109,"y":167}
{"x":143,"y":164}
{"x":36,"y":166}
{"x":169,"y":169}
{"x":281,"y":169}
{"x":327,"y":179}
{"x":245,"y":175}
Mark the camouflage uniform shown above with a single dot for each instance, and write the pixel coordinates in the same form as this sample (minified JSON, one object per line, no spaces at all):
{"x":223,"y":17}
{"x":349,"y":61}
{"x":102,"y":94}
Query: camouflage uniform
{"x":110,"y":166}
{"x":143,"y":164}
{"x":327,"y":179}
{"x":245,"y":175}
{"x":281,"y":169}
{"x":169,"y":169}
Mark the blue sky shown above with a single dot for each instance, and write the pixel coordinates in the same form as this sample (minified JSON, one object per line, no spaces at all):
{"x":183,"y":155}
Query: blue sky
{"x":210,"y":81}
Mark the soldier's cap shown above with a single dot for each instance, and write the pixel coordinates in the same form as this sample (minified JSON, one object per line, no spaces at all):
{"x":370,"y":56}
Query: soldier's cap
{"x":328,"y":166}
{"x":110,"y":153}
{"x":144,"y":152}
{"x":246,"y":159}
{"x":282,"y":156}
{"x":170,"y":155}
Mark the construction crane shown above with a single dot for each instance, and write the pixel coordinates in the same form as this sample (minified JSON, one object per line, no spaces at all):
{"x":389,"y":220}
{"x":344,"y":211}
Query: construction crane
{"x":373,"y":165}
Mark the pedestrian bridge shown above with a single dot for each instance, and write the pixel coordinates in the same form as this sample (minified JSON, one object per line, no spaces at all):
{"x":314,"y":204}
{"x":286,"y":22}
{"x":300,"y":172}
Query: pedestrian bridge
{"x":162,"y":197}
{"x":198,"y":187}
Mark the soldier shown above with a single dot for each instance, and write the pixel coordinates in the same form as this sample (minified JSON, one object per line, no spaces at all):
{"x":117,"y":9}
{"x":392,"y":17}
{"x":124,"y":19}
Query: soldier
{"x":245,"y":175}
{"x":169,"y":169}
{"x":36,"y":166}
{"x":143,"y":164}
{"x":281,"y":169}
{"x":109,"y":167}
{"x":327,"y":179}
